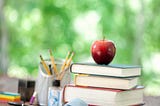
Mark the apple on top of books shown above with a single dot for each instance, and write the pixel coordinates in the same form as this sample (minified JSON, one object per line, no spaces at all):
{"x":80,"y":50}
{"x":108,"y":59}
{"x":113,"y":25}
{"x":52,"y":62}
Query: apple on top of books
{"x":103,"y":51}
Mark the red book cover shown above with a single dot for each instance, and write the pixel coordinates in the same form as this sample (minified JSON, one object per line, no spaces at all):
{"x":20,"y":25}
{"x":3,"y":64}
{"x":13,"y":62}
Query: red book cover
{"x":113,"y":92}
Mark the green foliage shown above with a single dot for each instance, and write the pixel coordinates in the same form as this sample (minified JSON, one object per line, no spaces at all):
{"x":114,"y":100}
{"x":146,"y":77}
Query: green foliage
{"x":35,"y":26}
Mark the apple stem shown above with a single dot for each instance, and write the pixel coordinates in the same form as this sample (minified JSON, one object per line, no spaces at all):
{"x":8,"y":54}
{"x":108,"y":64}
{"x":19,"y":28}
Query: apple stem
{"x":103,"y":37}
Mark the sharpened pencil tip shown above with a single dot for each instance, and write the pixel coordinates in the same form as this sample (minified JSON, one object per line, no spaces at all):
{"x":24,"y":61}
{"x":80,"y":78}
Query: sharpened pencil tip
{"x":72,"y":54}
{"x":50,"y":51}
{"x":41,"y":57}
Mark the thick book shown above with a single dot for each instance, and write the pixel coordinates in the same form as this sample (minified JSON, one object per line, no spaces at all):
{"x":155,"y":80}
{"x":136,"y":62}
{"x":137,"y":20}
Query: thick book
{"x":106,"y":70}
{"x":105,"y":81}
{"x":104,"y":96}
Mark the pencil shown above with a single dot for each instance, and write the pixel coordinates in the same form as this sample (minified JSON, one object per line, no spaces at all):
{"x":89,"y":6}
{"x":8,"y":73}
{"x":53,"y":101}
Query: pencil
{"x":67,"y":66}
{"x":69,"y":60}
{"x":50,"y":68}
{"x":64,"y":64}
{"x":44,"y":65}
{"x":62,"y":74}
{"x":53,"y":63}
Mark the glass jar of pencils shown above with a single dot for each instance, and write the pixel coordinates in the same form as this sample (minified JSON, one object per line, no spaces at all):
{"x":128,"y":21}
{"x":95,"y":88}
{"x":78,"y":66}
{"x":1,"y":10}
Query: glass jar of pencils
{"x":44,"y":80}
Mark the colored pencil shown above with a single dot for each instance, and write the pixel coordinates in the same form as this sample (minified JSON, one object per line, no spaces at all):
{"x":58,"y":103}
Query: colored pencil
{"x":61,"y":75}
{"x":44,"y":65}
{"x":53,"y":63}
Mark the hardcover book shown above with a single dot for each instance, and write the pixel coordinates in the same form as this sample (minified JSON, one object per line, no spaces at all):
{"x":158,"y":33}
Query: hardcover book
{"x":104,"y":96}
{"x":106,"y":70}
{"x":105,"y":81}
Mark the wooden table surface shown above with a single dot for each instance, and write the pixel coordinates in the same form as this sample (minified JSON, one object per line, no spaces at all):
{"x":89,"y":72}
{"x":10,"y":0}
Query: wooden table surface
{"x":11,"y":85}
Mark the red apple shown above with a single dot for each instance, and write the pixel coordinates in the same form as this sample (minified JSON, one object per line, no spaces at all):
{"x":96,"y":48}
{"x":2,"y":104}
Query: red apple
{"x":103,"y":51}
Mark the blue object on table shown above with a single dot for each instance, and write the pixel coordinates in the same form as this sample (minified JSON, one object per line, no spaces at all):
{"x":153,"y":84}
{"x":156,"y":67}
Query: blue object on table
{"x":76,"y":102}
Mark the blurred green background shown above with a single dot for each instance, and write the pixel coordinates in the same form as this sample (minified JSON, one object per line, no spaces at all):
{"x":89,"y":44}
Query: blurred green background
{"x":29,"y":28}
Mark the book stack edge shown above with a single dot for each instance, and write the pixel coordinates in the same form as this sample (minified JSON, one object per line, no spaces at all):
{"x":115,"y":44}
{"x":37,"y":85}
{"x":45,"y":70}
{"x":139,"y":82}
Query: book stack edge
{"x":105,"y":85}
{"x":9,"y":97}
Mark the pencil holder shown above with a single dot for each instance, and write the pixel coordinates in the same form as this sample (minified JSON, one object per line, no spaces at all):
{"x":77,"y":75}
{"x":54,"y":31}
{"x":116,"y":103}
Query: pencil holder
{"x":44,"y":81}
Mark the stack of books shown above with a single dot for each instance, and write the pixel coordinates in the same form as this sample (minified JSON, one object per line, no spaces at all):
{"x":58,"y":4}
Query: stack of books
{"x":9,"y":97}
{"x":105,"y":85}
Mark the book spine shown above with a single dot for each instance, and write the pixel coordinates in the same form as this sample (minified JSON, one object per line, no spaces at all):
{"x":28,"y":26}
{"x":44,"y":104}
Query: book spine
{"x":71,"y":67}
{"x":9,"y":94}
{"x":63,"y":94}
{"x":8,"y":99}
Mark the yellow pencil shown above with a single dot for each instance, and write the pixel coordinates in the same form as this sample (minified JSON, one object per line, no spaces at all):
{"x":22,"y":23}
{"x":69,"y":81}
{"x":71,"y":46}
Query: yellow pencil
{"x":45,"y":66}
{"x":61,"y":75}
{"x":53,"y":63}
{"x":65,"y":62}
{"x":70,"y":59}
